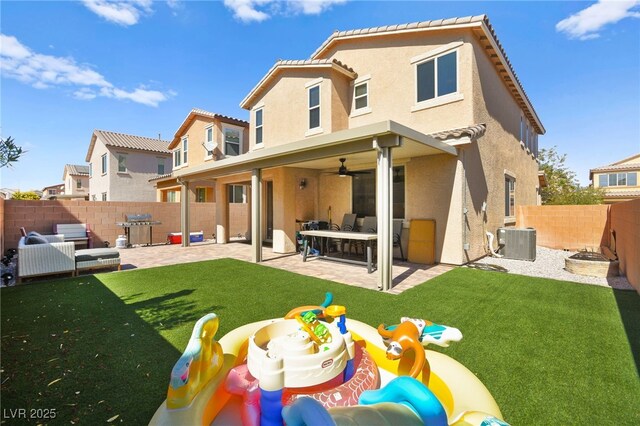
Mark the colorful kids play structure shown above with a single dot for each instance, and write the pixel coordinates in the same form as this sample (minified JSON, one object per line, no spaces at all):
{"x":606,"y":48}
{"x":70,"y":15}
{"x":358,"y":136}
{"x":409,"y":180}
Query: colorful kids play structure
{"x":316,"y":368}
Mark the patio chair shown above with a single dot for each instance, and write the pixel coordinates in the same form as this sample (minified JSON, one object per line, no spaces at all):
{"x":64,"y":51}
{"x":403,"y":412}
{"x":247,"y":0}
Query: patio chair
{"x":348,"y":224}
{"x":369,"y":225}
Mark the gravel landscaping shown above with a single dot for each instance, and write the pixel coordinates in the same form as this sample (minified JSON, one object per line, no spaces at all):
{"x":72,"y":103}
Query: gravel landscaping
{"x":549,"y":263}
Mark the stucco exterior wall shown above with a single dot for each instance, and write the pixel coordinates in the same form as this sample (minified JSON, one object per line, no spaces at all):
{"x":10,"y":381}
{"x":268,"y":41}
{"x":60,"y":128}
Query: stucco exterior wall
{"x":392,"y":87}
{"x":71,"y":188}
{"x":195,"y":133}
{"x":497,"y":153}
{"x":99,"y":183}
{"x":134,"y":185}
{"x":285,"y":105}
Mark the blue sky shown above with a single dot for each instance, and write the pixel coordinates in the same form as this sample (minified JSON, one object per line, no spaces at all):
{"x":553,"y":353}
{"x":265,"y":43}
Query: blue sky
{"x":139,"y":67}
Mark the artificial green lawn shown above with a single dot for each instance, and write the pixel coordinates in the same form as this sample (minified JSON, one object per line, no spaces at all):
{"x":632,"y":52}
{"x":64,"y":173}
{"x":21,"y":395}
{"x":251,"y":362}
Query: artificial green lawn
{"x":551,"y":352}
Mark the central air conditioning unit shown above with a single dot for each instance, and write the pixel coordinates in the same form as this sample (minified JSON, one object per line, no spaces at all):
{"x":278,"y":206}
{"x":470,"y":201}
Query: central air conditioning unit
{"x":517,"y":243}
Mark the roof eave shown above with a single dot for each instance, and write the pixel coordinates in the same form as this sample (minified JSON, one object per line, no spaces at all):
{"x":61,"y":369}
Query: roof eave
{"x":245,"y":104}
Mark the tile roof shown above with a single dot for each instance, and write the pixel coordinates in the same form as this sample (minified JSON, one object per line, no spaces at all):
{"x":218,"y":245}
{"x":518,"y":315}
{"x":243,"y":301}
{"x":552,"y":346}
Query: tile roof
{"x":618,"y":166}
{"x":121,"y":140}
{"x":159,"y":177}
{"x":215,"y":115}
{"x":481,"y":21}
{"x":472,"y":132}
{"x":292,"y":63}
{"x":77,"y":170}
{"x":623,"y":194}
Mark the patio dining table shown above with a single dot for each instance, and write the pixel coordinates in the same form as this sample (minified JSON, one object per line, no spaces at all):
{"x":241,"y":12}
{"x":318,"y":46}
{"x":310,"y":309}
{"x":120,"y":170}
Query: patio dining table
{"x":367,"y":237}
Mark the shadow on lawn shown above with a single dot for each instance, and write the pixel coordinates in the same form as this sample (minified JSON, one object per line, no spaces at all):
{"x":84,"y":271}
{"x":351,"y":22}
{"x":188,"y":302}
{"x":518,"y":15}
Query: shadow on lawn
{"x":73,"y":345}
{"x":170,"y":310}
{"x":629,"y":308}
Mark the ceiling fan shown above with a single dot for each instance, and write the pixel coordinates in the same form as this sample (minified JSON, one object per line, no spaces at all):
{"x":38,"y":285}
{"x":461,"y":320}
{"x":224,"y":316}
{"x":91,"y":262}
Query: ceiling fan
{"x":343,"y":171}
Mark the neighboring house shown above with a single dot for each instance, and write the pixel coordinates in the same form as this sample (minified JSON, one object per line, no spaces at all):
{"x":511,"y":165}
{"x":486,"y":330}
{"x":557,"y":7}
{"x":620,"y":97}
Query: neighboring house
{"x":52,"y":192}
{"x":7,"y":193}
{"x":121,"y":165}
{"x":76,"y":181}
{"x":203,"y":137}
{"x":432,"y":115}
{"x":619,"y":180}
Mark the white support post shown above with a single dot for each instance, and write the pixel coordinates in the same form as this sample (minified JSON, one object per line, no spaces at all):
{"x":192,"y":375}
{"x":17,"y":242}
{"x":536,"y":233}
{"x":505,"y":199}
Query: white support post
{"x":385,"y":216}
{"x":256,"y":215}
{"x":185,"y":223}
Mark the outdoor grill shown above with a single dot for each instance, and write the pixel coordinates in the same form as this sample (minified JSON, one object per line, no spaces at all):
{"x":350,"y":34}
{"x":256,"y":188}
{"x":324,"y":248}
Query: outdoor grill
{"x":138,"y":228}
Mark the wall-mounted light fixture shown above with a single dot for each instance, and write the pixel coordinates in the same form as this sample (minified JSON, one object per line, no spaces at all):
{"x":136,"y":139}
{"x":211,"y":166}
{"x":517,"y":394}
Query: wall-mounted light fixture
{"x":302,"y":184}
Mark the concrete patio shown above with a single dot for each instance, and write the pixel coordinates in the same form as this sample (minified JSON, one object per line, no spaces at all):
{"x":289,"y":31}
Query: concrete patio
{"x":405,"y":275}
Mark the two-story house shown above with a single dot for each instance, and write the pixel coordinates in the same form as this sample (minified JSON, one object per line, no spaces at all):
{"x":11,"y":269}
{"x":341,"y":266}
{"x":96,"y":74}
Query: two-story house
{"x":203,"y":137}
{"x":619,"y":180}
{"x":76,"y":181}
{"x":52,"y":192}
{"x":432,"y":116}
{"x":121,"y":165}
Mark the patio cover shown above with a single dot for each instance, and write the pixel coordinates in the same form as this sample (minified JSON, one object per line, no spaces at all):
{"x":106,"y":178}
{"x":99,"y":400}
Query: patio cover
{"x":385,"y":139}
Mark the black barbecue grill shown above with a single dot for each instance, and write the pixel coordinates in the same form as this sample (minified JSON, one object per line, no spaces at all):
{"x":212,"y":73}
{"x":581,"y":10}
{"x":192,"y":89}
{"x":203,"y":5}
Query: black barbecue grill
{"x":138,"y":228}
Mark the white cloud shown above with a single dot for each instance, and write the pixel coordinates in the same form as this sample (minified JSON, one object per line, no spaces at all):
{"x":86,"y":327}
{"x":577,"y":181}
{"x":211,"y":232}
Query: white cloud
{"x":45,"y":71}
{"x":260,"y":10}
{"x":120,"y":12}
{"x":585,"y":24}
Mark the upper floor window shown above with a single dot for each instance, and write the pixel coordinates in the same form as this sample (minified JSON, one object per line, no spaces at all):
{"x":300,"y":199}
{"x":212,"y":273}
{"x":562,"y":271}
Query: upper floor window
{"x":78,"y":183}
{"x":122,"y":163}
{"x":104,"y":164}
{"x":177,"y":157}
{"x":160,"y":166}
{"x":232,"y":141}
{"x":52,"y":191}
{"x":437,"y":76}
{"x":208,"y":141}
{"x":509,"y":196}
{"x":185,"y":150}
{"x":361,"y":95}
{"x":619,"y":179}
{"x":314,"y":107}
{"x":259,"y":126}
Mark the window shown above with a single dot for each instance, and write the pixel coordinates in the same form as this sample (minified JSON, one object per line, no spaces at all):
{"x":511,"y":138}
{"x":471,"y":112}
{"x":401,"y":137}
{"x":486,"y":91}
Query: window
{"x":535,"y":144}
{"x":201,"y":195}
{"x":509,"y":196}
{"x":259,"y":126}
{"x":208,"y":141}
{"x":53,"y":191}
{"x":171,"y":196}
{"x":361,"y":96}
{"x":104,"y":164}
{"x":619,"y":179}
{"x":177,"y":158}
{"x":521,"y":129}
{"x":363,"y":193}
{"x":104,"y":196}
{"x":185,"y":148}
{"x":90,"y":169}
{"x":122,"y":163}
{"x":314,"y":107}
{"x":232,"y":141}
{"x":437,"y":77}
{"x":160,"y":166}
{"x":237,"y":194}
{"x":78,"y":183}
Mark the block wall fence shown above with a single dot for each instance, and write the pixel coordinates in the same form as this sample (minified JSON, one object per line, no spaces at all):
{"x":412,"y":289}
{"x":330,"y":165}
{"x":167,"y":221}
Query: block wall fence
{"x":589,"y":227}
{"x":40,"y":216}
